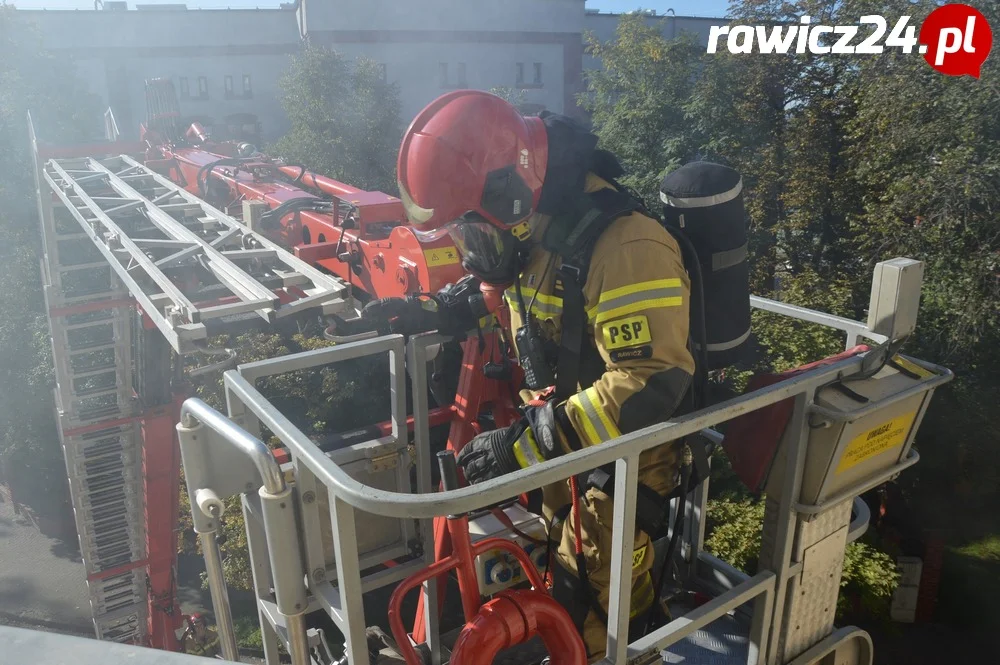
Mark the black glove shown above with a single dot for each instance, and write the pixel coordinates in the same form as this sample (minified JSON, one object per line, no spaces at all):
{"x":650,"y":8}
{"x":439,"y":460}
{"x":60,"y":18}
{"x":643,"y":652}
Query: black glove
{"x":450,"y":314}
{"x":404,"y":316}
{"x":491,"y":454}
{"x":533,"y":439}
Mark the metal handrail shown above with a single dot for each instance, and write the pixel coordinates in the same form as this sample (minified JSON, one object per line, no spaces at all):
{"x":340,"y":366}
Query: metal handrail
{"x":194,"y":411}
{"x":421,"y":506}
{"x":766,"y":589}
{"x":854,"y":329}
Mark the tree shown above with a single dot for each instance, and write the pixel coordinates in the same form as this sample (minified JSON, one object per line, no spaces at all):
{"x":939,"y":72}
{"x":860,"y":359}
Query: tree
{"x":345,"y":118}
{"x":62,"y":111}
{"x":925,"y":149}
{"x":636,"y":100}
{"x":846,"y":161}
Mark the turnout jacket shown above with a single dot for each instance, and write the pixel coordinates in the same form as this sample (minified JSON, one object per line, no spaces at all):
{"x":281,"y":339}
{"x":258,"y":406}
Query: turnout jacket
{"x":637,"y":296}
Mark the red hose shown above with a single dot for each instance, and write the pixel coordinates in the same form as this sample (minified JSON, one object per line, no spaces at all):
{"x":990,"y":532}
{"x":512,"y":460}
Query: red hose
{"x":321,"y":182}
{"x":514,"y":617}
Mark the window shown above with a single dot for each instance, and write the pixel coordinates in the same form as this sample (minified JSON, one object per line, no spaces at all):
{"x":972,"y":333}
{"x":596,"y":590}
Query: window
{"x":229,"y":87}
{"x":461,"y":75}
{"x":247,"y":88}
{"x":443,"y":74}
{"x":185,"y":89}
{"x":202,"y":87}
{"x":522,"y":81}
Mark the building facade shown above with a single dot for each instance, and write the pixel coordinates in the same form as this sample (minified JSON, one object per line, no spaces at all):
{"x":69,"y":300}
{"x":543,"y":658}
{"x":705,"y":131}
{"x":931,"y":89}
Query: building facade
{"x":228,"y":62}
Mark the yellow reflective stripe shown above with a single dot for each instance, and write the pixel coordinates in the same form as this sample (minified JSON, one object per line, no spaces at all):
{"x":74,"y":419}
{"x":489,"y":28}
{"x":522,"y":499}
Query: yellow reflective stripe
{"x":671,"y":283}
{"x":519,"y":455}
{"x":540,"y":297}
{"x":526,"y":450}
{"x":544,"y":305}
{"x":597,"y":425}
{"x":633,"y":298}
{"x":625,"y":310}
{"x":642,"y":595}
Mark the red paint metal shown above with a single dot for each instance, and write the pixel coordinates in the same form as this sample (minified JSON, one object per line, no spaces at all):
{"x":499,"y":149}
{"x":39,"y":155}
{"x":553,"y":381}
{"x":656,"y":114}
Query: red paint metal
{"x":97,"y":427}
{"x":160,"y":474}
{"x":333,"y":241}
{"x":475,"y":393}
{"x":514,"y":617}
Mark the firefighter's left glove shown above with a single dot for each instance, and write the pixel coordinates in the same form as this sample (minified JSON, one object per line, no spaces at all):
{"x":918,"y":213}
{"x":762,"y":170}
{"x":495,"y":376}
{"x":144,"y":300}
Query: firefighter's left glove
{"x":403,"y":316}
{"x":531,"y":440}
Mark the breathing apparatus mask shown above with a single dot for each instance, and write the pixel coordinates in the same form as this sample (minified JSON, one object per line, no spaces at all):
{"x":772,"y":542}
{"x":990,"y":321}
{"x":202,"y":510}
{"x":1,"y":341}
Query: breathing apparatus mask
{"x":493,"y":255}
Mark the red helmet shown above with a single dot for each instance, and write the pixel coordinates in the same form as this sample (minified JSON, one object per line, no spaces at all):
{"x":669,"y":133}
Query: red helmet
{"x":472,"y":166}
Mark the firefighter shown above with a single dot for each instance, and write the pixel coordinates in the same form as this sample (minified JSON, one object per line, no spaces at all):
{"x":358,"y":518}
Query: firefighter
{"x":514,"y":192}
{"x":199,"y":639}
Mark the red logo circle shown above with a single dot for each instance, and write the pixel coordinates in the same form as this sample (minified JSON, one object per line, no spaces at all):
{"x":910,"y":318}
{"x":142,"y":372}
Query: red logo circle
{"x":956,"y":40}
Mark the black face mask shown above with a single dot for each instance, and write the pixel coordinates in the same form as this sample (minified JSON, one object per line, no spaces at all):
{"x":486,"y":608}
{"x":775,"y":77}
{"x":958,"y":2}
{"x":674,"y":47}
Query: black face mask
{"x":494,"y":256}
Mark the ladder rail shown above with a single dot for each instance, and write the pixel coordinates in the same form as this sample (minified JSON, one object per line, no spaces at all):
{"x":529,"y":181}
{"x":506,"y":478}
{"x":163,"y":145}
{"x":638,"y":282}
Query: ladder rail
{"x":322,"y":282}
{"x":241,"y":283}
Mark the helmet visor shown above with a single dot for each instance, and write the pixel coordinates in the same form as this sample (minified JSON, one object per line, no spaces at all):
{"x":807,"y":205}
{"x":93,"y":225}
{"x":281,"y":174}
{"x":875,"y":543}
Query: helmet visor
{"x":481,"y":244}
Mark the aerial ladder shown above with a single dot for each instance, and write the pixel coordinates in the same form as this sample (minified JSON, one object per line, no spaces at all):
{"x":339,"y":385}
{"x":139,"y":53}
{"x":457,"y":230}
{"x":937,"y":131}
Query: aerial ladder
{"x":164,"y":259}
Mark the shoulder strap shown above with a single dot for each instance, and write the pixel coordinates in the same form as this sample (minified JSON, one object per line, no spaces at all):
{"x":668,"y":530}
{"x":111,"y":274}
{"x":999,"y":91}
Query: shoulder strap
{"x":575,"y":244}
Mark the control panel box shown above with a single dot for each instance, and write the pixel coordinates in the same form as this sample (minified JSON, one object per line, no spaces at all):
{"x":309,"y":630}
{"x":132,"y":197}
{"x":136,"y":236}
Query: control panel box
{"x":498,"y":570}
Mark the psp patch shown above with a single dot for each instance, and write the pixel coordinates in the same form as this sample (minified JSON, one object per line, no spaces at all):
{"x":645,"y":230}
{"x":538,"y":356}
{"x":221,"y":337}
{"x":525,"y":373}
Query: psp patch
{"x":624,"y":333}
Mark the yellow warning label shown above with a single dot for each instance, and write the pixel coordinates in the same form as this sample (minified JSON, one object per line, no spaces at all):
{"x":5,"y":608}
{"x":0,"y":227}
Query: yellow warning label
{"x":912,"y":367}
{"x":638,"y":556}
{"x":876,"y":441}
{"x":440,"y":257}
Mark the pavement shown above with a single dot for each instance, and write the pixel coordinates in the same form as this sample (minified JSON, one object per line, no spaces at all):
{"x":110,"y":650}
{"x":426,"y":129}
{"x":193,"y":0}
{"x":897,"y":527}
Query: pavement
{"x":42,"y":579}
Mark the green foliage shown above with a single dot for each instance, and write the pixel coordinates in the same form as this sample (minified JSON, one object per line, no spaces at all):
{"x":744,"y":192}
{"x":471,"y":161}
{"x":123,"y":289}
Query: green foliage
{"x":734,"y":527}
{"x":870,"y":575}
{"x":846,"y":162}
{"x":636,"y":100}
{"x":247,"y":629}
{"x":30,"y":79}
{"x":345,"y":119}
{"x":734,"y":533}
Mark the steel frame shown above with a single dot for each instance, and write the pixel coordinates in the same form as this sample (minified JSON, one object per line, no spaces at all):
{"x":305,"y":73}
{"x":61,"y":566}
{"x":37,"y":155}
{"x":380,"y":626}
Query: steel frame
{"x":767,"y":589}
{"x":116,"y":237}
{"x":187,"y":229}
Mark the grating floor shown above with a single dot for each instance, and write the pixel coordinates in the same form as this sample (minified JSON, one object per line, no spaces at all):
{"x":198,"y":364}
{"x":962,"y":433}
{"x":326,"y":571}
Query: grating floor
{"x":722,"y":642}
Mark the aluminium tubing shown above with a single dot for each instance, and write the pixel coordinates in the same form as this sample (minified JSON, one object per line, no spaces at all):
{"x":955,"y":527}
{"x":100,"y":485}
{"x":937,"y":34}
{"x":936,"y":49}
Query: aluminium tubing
{"x":513,"y":618}
{"x":220,"y":595}
{"x":194,"y":411}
